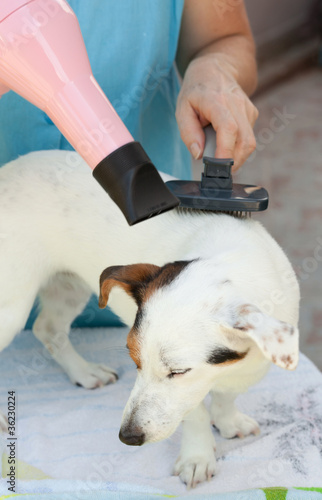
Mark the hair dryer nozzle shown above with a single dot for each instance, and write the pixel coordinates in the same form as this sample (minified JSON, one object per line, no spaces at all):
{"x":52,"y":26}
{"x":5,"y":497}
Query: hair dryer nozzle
{"x":134,"y":184}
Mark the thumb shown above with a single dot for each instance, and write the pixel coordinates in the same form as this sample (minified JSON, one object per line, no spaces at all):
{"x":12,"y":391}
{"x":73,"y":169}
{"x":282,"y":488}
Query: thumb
{"x":191,"y":130}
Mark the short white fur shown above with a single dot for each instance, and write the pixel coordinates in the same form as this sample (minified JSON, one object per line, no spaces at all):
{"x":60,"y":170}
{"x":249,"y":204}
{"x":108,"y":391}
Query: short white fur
{"x":59,"y":231}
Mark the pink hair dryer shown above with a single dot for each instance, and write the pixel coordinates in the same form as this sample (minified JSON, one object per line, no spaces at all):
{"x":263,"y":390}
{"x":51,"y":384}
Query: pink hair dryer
{"x":43,"y":58}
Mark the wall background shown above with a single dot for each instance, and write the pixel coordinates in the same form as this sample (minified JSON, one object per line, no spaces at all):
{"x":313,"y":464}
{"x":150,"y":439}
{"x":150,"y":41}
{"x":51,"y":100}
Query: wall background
{"x":273,"y":20}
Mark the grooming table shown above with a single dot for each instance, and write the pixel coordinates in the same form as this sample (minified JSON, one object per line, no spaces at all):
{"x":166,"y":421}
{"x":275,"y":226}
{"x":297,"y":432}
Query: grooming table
{"x":67,"y":436}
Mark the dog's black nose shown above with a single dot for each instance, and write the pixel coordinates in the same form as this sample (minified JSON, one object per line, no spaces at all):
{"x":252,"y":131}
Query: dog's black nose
{"x":132,"y":438}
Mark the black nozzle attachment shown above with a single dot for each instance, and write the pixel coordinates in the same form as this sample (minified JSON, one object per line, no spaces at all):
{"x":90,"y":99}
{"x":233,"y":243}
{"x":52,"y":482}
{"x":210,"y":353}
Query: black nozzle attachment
{"x":134,"y":184}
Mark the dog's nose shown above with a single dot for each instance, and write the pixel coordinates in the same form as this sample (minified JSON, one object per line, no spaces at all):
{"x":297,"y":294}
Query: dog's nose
{"x":132,"y":438}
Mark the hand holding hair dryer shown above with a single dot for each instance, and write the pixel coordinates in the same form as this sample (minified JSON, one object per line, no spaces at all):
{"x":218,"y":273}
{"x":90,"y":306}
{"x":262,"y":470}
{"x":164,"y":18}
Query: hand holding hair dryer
{"x":43,"y":59}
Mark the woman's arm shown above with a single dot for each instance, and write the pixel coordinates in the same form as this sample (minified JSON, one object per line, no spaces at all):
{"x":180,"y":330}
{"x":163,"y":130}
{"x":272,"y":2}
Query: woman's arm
{"x":216,"y":57}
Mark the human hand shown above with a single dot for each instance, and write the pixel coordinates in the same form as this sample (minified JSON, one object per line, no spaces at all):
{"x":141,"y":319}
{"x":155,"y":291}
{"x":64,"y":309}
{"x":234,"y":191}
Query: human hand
{"x":211,"y":94}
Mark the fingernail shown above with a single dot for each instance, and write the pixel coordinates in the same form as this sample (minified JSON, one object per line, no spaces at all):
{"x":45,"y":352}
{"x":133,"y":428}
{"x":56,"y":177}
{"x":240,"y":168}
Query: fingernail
{"x":195,"y":150}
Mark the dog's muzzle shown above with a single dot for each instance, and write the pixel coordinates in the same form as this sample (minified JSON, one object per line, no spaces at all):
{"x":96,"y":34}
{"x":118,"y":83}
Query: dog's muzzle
{"x":132,"y":437}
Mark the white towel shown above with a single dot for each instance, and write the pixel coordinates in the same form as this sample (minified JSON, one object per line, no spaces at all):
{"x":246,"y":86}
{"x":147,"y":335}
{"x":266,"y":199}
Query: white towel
{"x":72,"y":433}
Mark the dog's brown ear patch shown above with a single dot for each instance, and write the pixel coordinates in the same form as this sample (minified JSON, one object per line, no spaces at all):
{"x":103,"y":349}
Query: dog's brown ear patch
{"x":165,"y":276}
{"x":131,"y":278}
{"x":134,"y":347}
{"x":138,"y":280}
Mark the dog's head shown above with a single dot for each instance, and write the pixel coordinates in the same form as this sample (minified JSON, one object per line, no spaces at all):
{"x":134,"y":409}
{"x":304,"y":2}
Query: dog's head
{"x":191,"y":331}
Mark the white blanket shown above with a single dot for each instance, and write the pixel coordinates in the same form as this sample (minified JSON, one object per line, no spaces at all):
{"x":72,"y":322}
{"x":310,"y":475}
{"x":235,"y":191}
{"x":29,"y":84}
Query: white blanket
{"x":70,"y":433}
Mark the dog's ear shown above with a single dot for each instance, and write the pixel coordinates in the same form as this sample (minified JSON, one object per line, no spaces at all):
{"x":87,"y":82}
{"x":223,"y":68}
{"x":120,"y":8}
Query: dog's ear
{"x":278,"y":341}
{"x":131,"y":278}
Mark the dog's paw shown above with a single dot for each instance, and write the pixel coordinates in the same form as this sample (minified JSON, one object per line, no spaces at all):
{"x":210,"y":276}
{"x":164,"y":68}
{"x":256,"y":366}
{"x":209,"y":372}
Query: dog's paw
{"x":195,"y":468}
{"x":92,"y":375}
{"x":3,"y":423}
{"x":239,"y":425}
{"x":197,"y":462}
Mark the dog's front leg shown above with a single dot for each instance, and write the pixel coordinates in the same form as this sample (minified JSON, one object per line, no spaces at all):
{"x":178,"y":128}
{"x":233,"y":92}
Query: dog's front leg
{"x":196,"y":462}
{"x":228,"y":419}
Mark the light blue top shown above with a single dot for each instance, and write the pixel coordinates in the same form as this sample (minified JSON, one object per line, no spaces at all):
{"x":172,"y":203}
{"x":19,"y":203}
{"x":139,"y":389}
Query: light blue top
{"x":131,"y":46}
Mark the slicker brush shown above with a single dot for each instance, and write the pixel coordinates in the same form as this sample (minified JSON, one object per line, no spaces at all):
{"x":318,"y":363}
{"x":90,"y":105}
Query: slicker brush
{"x":216,"y":191}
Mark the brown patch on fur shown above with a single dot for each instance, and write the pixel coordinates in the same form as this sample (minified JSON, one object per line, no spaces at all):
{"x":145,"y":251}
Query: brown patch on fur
{"x":106,"y":289}
{"x":246,"y":309}
{"x":287,"y":360}
{"x":138,"y":280}
{"x":134,"y":347}
{"x":131,"y":278}
{"x":273,"y":358}
{"x":243,"y":328}
{"x":166,"y":275}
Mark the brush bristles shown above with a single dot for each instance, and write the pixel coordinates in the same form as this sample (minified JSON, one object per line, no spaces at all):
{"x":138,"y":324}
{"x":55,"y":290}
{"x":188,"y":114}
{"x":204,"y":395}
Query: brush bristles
{"x":238,"y":214}
{"x":233,"y":213}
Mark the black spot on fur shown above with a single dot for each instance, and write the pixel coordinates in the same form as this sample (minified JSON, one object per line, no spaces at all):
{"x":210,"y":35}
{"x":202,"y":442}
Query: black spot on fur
{"x":161,"y":278}
{"x":223,"y":354}
{"x":138,"y":319}
{"x":137,"y":291}
{"x":170,"y":271}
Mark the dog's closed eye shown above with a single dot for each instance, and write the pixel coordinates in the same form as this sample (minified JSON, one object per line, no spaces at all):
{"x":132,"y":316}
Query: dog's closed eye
{"x":175,"y":373}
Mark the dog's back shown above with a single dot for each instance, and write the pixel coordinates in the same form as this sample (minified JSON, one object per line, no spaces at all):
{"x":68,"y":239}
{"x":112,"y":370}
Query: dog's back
{"x":55,"y":217}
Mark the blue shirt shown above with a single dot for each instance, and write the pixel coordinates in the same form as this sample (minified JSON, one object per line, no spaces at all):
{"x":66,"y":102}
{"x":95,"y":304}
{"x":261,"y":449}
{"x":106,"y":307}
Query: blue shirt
{"x":131,"y":46}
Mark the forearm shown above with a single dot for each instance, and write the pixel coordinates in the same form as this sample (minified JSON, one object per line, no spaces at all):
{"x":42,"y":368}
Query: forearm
{"x":235,"y":55}
{"x":216,"y":57}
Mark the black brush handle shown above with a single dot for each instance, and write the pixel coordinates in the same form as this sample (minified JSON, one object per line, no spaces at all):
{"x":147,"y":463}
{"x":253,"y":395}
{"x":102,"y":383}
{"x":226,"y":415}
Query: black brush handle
{"x":217,"y":171}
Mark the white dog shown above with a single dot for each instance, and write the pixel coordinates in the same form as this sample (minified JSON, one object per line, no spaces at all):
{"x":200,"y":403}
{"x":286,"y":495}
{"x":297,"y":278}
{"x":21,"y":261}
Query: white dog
{"x":211,"y":320}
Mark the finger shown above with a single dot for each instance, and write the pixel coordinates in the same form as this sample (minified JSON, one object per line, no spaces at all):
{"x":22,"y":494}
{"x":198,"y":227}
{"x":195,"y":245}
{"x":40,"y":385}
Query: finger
{"x":235,"y":136}
{"x":252,"y":113}
{"x":190,"y":129}
{"x":245,"y":145}
{"x":246,"y":142}
{"x":242,"y":104}
{"x":226,"y":127}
